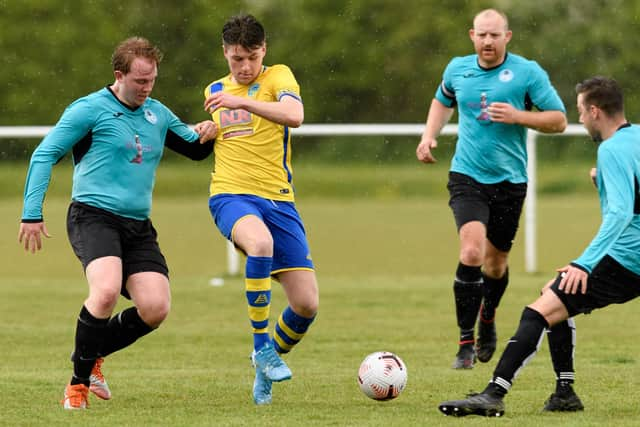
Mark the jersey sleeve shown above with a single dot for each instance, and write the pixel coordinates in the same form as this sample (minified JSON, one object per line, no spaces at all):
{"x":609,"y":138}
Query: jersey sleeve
{"x":74,"y":124}
{"x":179,"y":128}
{"x":617,"y":187}
{"x":446,"y":93}
{"x":542,"y":93}
{"x":285,"y":84}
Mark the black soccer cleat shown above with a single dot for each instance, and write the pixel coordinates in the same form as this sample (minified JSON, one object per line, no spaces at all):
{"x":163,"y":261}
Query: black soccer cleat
{"x":481,"y":404}
{"x":565,"y":401}
{"x":487,"y":339}
{"x":465,"y":358}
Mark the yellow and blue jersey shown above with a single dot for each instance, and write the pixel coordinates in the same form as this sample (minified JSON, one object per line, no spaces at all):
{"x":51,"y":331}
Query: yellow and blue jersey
{"x":487,"y":151}
{"x":253,"y":154}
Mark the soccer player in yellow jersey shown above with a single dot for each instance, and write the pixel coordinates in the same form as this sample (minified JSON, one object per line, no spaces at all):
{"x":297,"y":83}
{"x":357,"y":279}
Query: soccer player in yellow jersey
{"x":252,"y":194}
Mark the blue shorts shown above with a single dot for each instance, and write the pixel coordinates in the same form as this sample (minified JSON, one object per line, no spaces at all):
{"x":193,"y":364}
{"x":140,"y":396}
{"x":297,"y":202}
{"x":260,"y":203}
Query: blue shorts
{"x":290,"y":247}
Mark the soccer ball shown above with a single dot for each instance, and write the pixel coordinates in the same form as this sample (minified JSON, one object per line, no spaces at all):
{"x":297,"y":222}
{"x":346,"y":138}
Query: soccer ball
{"x":382,"y":375}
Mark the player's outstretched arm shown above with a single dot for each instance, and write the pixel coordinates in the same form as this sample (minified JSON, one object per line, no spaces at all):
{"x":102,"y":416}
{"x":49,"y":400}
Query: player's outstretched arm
{"x":29,"y":235}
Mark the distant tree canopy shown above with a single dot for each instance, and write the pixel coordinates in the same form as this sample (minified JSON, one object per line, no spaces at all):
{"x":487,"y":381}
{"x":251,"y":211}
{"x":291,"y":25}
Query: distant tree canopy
{"x":356,"y":60}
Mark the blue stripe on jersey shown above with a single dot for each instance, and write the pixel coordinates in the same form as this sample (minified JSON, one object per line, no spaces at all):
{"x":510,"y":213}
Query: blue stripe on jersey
{"x":285,"y":151}
{"x":292,"y":95}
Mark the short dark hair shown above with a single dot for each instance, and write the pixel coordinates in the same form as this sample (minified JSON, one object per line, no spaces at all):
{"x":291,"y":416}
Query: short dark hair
{"x":604,"y":93}
{"x":243,"y":30}
{"x":132,"y":48}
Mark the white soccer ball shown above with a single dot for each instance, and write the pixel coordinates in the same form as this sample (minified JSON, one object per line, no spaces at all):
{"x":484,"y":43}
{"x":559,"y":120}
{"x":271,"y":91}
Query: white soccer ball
{"x":382,"y":375}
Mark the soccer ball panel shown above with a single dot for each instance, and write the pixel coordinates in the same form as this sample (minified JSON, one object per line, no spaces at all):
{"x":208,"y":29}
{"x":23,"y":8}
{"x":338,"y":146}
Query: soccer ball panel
{"x":382,"y":376}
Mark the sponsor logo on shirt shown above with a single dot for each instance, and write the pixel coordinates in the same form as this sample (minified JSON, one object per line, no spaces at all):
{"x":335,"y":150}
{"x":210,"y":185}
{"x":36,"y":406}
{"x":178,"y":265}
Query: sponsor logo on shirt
{"x":484,"y":117}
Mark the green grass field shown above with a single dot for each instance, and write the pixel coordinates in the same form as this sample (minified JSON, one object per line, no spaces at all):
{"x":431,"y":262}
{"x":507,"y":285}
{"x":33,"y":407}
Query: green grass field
{"x":384,"y":264}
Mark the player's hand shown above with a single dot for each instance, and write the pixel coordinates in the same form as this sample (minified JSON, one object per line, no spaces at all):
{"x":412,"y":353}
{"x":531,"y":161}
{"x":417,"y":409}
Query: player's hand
{"x":207,"y":130}
{"x":222,"y":99}
{"x":573,"y":280}
{"x":592,"y":175}
{"x":423,"y":151}
{"x":29,"y":234}
{"x":502,"y":112}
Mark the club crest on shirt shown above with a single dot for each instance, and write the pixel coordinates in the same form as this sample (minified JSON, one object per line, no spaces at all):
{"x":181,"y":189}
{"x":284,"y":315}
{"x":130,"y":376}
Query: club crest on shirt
{"x":505,"y":75}
{"x":253,"y":89}
{"x":150,"y":117}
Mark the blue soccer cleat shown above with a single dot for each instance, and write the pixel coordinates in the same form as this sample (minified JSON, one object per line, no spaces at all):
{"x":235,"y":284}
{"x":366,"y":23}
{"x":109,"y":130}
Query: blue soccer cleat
{"x":267,"y":361}
{"x":261,"y":389}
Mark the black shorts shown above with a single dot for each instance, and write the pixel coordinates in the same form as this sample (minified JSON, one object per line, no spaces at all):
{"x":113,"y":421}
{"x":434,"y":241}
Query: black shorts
{"x":497,"y":206}
{"x":96,"y":233}
{"x":608,"y":283}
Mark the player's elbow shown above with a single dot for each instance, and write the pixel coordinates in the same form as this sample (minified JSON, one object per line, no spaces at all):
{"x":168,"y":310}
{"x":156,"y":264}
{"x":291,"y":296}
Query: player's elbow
{"x":561,"y":125}
{"x":557,"y":124}
{"x":295,"y":120}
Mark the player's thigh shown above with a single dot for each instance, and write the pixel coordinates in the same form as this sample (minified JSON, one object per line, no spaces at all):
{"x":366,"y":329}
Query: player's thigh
{"x":252,"y":235}
{"x":290,"y":246}
{"x":467,"y":199}
{"x":551,"y":307}
{"x":609,"y":283}
{"x":104,"y":276}
{"x":495,"y":261}
{"x":93,"y":233}
{"x":151,"y":294}
{"x":240,"y":219}
{"x":141,"y":253}
{"x":505,"y":211}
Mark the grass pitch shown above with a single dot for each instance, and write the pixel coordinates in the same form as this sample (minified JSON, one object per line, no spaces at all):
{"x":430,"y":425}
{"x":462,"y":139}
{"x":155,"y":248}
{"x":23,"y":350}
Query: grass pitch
{"x":385,"y":280}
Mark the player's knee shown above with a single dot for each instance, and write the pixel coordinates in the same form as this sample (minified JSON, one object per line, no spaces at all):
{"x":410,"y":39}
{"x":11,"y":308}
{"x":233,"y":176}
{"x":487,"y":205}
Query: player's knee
{"x":103,"y":300}
{"x":495,"y":271}
{"x":259,"y":246}
{"x":153,"y":314}
{"x":471,"y":255}
{"x":307,"y":308}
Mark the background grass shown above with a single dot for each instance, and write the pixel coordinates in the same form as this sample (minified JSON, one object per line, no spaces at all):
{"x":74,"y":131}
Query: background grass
{"x":384,"y":261}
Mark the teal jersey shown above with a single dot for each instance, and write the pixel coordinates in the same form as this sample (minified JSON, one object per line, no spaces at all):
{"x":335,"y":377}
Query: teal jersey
{"x":486,"y":151}
{"x":116,"y":151}
{"x":618,"y":181}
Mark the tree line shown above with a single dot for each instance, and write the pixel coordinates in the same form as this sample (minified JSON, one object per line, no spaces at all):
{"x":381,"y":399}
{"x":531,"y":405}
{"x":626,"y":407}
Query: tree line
{"x":357,"y":61}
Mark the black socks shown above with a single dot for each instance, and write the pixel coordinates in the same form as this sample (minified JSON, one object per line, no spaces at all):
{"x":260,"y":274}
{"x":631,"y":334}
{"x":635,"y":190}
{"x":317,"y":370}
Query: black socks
{"x":90,"y":334}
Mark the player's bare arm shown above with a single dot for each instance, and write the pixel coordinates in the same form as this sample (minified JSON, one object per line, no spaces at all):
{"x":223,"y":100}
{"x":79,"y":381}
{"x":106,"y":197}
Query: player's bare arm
{"x":288,"y":111}
{"x":542,"y":121}
{"x":29,"y":235}
{"x":439,"y":115}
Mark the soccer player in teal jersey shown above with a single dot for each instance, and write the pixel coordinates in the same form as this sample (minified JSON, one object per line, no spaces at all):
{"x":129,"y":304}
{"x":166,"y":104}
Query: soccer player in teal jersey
{"x":117,"y":136}
{"x":495,"y":92}
{"x":607,"y":272}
